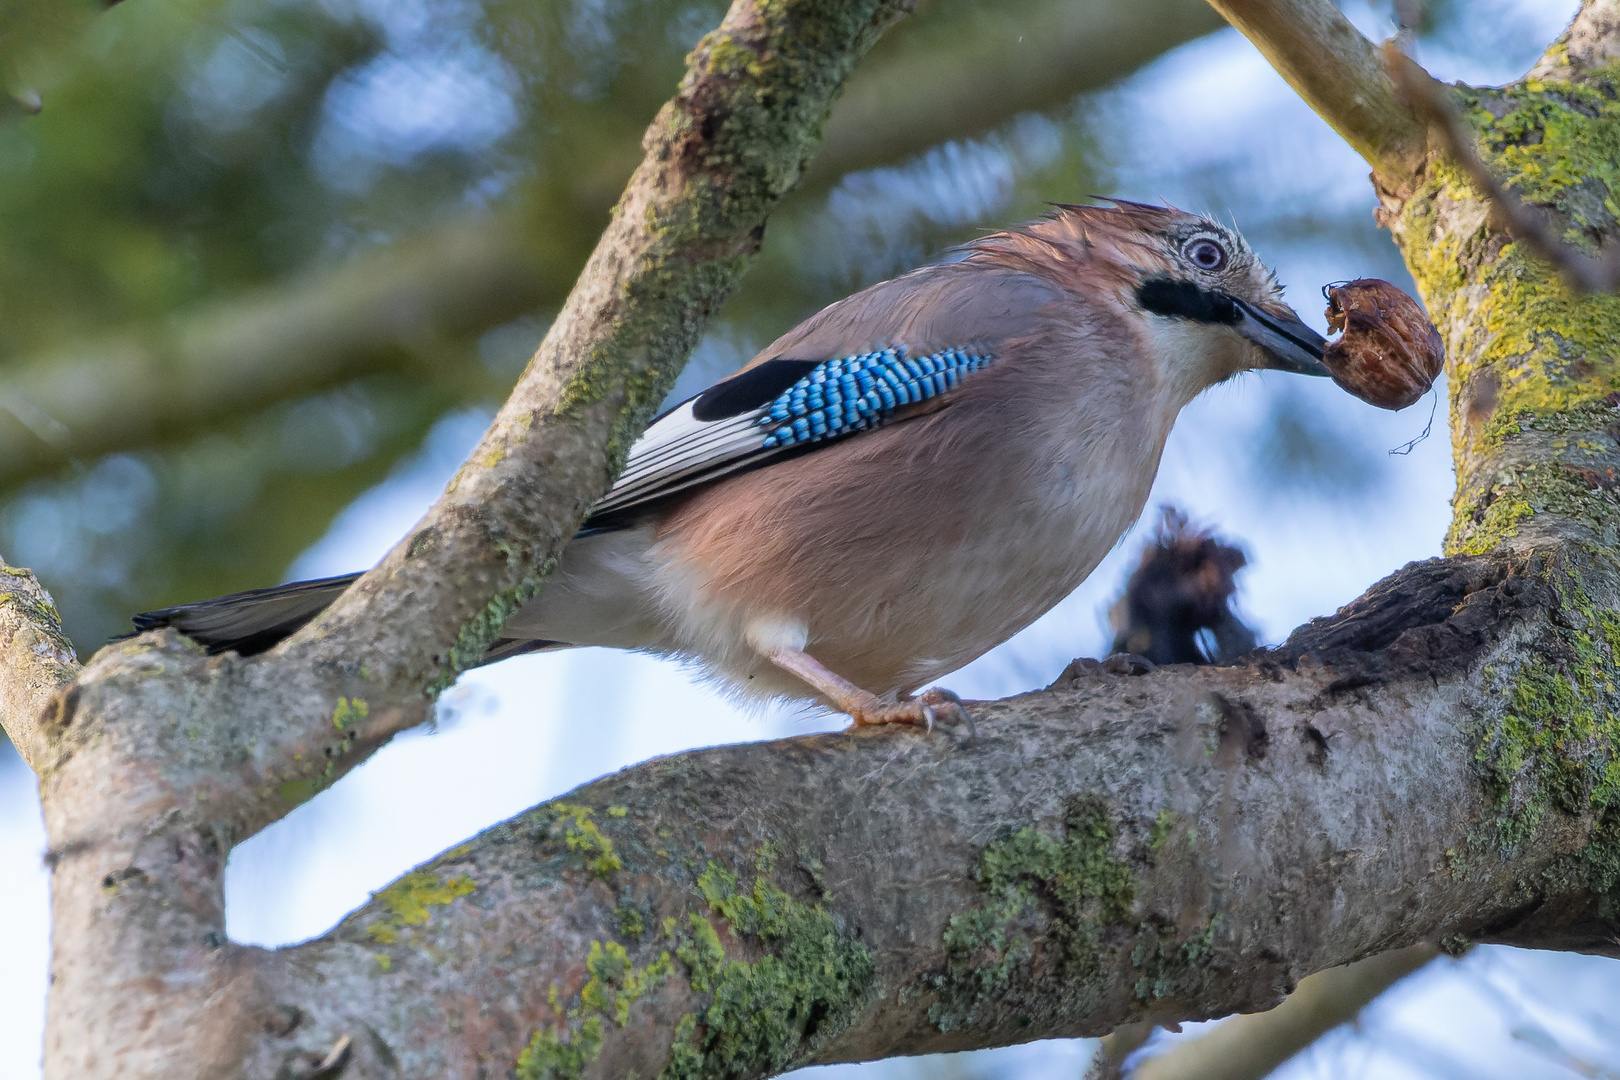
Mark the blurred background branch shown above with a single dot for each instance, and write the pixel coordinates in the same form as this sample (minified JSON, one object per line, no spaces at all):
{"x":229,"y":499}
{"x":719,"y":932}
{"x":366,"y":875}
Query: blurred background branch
{"x":1251,"y":1046}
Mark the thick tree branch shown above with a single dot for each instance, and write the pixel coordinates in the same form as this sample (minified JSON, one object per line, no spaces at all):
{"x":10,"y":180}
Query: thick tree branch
{"x":1338,"y":73}
{"x":36,"y":660}
{"x":1170,"y":846}
{"x":370,"y":314}
{"x":1537,"y":227}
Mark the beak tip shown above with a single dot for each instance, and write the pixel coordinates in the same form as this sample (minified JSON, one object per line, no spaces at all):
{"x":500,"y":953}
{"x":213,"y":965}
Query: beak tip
{"x":1287,"y":342}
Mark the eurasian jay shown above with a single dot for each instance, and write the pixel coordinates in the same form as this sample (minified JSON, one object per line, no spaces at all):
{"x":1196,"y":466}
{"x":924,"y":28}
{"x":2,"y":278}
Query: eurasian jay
{"x":905,"y":479}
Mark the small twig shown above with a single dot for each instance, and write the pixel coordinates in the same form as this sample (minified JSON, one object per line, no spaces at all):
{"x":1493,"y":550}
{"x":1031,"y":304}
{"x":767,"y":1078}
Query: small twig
{"x":1532,"y":225}
{"x":336,"y":1060}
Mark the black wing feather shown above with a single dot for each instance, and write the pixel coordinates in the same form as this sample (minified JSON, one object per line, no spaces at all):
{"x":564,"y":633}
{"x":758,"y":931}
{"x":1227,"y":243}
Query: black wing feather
{"x":749,"y":389}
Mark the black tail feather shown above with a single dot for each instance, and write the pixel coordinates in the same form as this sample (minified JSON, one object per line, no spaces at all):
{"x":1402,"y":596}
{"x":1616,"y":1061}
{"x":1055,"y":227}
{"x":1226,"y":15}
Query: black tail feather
{"x":255,"y":621}
{"x":249,"y":622}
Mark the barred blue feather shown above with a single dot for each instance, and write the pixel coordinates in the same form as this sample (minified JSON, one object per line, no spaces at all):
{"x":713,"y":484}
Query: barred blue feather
{"x":855,"y":393}
{"x":689,"y":445}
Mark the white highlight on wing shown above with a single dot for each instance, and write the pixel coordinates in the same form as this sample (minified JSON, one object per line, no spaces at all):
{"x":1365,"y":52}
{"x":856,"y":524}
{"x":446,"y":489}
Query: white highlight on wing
{"x":680,"y":450}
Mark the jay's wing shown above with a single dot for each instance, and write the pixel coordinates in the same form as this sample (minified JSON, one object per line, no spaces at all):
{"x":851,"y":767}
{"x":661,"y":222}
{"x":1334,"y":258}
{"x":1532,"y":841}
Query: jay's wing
{"x":895,"y":349}
{"x":777,"y":408}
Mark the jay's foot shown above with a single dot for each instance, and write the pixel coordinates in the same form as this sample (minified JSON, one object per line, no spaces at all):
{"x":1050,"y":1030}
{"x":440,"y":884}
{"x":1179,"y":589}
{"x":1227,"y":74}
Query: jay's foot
{"x":935,"y":705}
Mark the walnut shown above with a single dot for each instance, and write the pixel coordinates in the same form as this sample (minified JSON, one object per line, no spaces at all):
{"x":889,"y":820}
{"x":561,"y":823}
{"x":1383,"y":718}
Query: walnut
{"x":1390,"y":353}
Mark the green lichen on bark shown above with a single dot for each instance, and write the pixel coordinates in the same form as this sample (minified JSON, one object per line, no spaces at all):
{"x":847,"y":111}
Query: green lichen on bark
{"x":584,"y":838}
{"x":763,"y":1015}
{"x":349,"y":711}
{"x":407,"y":902}
{"x":1554,"y":746}
{"x":562,"y":1050}
{"x":299,"y":790}
{"x":557,"y":1054}
{"x":615,"y":983}
{"x":33,"y":606}
{"x":1171,"y":964}
{"x":1518,"y":493}
{"x":1525,"y":355}
{"x":1056,"y":898}
{"x":736,"y":137}
{"x":477,"y":634}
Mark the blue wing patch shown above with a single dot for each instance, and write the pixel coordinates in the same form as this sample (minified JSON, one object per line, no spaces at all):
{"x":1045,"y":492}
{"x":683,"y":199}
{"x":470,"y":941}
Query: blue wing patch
{"x":691,"y":444}
{"x":854,"y":393}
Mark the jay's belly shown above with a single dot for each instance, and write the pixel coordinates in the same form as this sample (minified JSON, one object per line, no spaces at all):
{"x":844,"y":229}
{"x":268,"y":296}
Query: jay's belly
{"x":889,"y":584}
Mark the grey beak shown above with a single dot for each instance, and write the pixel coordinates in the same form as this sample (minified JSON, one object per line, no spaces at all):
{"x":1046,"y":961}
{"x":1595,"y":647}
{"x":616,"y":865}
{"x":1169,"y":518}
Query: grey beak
{"x":1291,"y":345}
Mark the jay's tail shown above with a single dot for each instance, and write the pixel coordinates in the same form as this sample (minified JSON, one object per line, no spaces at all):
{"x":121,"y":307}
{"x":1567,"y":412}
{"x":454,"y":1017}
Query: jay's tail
{"x":251,"y":622}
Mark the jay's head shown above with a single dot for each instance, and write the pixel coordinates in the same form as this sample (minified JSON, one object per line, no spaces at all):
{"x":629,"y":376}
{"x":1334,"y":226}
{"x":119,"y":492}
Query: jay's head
{"x":1197,"y":293}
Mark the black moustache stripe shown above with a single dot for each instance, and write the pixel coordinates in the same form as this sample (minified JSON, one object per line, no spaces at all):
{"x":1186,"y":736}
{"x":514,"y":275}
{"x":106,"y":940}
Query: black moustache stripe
{"x":1167,"y":296}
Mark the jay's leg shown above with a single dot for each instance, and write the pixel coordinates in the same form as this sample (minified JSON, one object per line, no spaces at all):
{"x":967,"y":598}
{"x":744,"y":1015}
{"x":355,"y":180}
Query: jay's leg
{"x":927,"y":708}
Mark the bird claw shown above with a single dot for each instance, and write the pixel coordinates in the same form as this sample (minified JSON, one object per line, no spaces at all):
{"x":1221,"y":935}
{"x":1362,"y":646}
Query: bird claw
{"x":1124,"y":663}
{"x":934,"y":706}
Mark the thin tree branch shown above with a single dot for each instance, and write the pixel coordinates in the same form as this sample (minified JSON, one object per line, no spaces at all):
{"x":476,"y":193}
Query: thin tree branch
{"x":1252,"y":1046}
{"x":1530,"y":224}
{"x":36,"y":660}
{"x":935,"y":83}
{"x":1338,"y":73}
{"x":1115,"y":1048}
{"x":157,"y":382}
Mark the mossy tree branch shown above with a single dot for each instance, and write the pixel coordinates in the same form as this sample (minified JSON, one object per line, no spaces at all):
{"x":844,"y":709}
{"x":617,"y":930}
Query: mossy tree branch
{"x":36,"y":660}
{"x":1164,"y":847}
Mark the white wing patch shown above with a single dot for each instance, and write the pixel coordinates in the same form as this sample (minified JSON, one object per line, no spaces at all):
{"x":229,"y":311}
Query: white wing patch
{"x":680,"y":450}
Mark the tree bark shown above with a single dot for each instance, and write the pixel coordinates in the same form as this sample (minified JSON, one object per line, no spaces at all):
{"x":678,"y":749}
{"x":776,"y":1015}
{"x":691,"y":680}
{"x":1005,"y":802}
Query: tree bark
{"x":1437,"y":762}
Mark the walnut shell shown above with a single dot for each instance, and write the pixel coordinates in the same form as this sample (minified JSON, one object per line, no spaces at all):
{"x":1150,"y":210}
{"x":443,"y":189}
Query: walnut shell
{"x":1390,"y":353}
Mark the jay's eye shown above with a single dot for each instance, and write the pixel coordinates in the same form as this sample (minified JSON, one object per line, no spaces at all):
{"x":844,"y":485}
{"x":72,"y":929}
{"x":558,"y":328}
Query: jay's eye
{"x":1205,"y":254}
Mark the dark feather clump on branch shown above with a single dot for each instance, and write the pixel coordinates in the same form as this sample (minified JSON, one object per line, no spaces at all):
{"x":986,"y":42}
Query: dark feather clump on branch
{"x":1177,"y":605}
